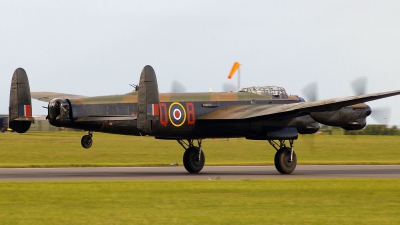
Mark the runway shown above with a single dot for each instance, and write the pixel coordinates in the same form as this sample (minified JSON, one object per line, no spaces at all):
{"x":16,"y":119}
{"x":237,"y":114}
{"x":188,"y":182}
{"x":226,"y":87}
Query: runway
{"x":208,"y":173}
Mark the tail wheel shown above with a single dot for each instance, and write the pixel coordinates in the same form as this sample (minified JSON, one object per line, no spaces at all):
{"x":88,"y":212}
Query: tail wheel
{"x":193,"y":161}
{"x":282,"y":161}
{"x":87,"y":141}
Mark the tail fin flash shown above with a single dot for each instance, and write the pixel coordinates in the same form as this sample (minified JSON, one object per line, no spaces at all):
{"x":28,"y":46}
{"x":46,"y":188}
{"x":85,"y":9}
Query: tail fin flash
{"x":148,"y":101}
{"x":20,"y":110}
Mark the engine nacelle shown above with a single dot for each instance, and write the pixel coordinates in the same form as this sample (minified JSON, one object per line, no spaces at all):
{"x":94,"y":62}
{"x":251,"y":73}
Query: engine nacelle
{"x":349,"y":118}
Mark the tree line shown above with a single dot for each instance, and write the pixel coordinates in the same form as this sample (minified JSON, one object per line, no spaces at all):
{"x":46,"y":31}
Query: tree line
{"x":375,"y":130}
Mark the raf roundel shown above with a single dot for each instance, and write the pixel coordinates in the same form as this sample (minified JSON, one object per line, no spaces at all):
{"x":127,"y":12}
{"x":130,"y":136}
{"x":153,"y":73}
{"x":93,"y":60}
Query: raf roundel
{"x":177,"y":114}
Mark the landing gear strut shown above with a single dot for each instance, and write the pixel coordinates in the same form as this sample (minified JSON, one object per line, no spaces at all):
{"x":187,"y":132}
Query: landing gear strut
{"x":285,"y":157}
{"x":193,"y":158}
{"x":86,"y":140}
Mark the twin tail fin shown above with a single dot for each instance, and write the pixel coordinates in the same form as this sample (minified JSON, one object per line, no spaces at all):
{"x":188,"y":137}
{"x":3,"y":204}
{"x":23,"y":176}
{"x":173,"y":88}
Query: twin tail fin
{"x":20,"y":110}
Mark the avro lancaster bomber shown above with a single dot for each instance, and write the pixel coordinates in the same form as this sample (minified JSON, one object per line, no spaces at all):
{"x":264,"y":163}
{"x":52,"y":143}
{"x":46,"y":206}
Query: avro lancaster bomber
{"x":256,"y":113}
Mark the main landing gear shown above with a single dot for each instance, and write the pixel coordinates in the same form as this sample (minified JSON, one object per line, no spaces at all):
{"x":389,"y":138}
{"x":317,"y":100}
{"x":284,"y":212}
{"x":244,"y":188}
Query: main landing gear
{"x":193,"y":158}
{"x":285,"y":157}
{"x":87,"y":140}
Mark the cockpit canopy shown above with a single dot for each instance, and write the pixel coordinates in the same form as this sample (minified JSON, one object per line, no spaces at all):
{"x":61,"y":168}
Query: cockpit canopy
{"x":272,"y":91}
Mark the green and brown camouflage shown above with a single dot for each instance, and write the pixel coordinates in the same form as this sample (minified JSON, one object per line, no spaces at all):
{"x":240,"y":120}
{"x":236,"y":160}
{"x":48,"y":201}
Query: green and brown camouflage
{"x":203,"y":104}
{"x":132,"y":97}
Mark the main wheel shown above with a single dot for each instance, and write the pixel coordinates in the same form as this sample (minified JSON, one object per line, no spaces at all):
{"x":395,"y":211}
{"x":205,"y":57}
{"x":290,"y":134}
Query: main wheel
{"x":191,"y":160}
{"x":86,"y":141}
{"x":283,"y":163}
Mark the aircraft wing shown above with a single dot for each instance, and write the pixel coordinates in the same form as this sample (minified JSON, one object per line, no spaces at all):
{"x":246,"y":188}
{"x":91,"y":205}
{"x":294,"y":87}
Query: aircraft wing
{"x":294,"y":109}
{"x":48,"y":96}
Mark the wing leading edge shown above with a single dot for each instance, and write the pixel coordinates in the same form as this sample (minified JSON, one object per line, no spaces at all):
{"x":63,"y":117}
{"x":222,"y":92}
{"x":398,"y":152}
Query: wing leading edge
{"x":236,"y":112}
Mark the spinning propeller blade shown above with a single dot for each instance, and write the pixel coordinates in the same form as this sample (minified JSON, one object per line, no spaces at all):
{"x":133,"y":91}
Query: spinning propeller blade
{"x":177,"y":87}
{"x":359,"y":85}
{"x":227,"y":87}
{"x":310,"y":92}
{"x":381,"y":115}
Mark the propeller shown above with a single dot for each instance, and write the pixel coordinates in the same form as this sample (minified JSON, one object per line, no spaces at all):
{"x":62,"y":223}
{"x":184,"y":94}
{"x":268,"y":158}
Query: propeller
{"x":177,"y":87}
{"x":381,"y":115}
{"x":310,"y":92}
{"x":228,"y":87}
{"x":359,"y":85}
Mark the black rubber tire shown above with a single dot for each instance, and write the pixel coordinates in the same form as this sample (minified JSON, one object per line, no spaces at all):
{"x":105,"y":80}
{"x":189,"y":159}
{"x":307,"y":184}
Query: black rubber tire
{"x":282,"y":163}
{"x":191,"y":160}
{"x":86,"y":141}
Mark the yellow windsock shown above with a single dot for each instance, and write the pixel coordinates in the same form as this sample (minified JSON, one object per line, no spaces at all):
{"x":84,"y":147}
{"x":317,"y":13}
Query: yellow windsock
{"x":235,"y":67}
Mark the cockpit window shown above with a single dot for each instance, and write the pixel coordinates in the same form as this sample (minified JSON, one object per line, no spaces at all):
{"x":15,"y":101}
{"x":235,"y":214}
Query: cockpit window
{"x":273,"y":91}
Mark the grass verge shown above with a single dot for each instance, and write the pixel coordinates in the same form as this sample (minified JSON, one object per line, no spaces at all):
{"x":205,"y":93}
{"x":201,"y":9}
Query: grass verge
{"x":62,"y":149}
{"x":329,"y":201}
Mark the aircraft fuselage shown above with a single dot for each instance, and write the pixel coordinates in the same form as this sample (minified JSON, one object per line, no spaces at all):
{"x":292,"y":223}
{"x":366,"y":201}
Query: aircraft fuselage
{"x":178,"y":115}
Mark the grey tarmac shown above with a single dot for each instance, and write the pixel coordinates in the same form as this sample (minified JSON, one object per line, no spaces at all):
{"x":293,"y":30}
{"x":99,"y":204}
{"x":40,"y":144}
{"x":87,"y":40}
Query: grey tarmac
{"x":208,"y":173}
